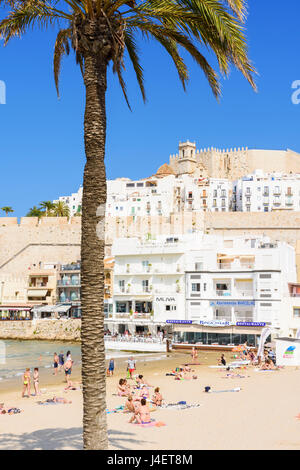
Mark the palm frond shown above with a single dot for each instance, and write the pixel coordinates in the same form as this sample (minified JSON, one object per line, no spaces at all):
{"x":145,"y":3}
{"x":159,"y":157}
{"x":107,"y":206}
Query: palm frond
{"x":133,"y":54}
{"x":28,"y":14}
{"x":61,"y":48}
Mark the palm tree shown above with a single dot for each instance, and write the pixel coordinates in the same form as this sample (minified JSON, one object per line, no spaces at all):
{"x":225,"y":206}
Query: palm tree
{"x":35,"y":212}
{"x":100,"y":31}
{"x":7,"y":210}
{"x":48,"y":206}
{"x":60,"y":209}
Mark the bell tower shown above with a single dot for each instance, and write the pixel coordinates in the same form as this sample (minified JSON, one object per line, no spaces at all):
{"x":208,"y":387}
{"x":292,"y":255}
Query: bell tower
{"x":187,"y":158}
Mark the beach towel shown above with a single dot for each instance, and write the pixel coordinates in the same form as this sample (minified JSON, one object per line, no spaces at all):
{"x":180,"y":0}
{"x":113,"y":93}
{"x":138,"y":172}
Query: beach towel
{"x":153,"y":423}
{"x":238,"y":389}
{"x":118,"y":409}
{"x":178,"y":406}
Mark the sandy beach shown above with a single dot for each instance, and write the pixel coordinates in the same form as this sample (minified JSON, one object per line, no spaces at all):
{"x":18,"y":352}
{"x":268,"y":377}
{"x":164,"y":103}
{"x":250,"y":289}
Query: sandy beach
{"x":260,"y":416}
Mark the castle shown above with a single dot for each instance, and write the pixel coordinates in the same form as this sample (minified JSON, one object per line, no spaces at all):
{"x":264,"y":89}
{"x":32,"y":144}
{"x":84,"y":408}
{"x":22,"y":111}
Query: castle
{"x":231,"y":163}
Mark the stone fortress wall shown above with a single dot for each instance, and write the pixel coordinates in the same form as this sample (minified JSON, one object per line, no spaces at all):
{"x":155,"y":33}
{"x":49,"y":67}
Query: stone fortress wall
{"x":231,"y":163}
{"x":58,"y":239}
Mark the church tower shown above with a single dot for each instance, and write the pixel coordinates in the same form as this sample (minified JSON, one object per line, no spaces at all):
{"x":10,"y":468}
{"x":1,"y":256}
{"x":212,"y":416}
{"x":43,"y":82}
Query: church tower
{"x":186,"y":163}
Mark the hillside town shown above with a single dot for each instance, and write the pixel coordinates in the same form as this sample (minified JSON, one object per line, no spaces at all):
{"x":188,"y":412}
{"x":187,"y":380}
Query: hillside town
{"x":201,"y":284}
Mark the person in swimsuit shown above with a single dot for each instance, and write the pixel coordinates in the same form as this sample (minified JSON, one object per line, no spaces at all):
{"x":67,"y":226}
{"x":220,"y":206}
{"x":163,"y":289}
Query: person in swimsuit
{"x":222,"y":360}
{"x":157,"y":397}
{"x":131,"y":366}
{"x":142,"y":415}
{"x":111,"y":367}
{"x":194,"y":354}
{"x":36,"y":381}
{"x":26,"y":383}
{"x":55,"y":363}
{"x":61,"y":360}
{"x":68,"y":372}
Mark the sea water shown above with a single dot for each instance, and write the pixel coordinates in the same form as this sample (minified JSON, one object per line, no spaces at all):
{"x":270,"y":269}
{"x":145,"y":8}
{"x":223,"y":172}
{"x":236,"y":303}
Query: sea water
{"x":16,"y":356}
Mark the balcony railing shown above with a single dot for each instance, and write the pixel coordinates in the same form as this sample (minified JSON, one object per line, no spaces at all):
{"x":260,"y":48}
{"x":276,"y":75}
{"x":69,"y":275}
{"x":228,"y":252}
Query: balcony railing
{"x":68,"y":283}
{"x":223,"y":293}
{"x":235,"y":266}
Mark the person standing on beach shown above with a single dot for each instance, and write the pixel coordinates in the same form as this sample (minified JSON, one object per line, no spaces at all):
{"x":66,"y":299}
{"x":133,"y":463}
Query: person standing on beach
{"x":26,"y":383}
{"x":194,"y":354}
{"x":68,"y":372}
{"x":131,"y":366}
{"x":61,"y":360}
{"x":36,"y":381}
{"x":55,"y":363}
{"x":111,"y":367}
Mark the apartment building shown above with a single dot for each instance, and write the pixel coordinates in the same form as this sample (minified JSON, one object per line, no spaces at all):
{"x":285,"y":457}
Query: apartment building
{"x":213,"y":290}
{"x":266,"y":192}
{"x":148,"y":284}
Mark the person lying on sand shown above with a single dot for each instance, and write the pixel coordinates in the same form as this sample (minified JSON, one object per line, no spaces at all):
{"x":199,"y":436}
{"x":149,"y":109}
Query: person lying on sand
{"x":142,"y":393}
{"x":141,"y":381}
{"x":157,"y":397}
{"x":222,"y":360}
{"x":268,"y":365}
{"x":55,"y":400}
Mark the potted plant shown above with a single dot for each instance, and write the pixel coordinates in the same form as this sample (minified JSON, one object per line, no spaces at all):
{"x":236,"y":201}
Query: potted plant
{"x":177,"y":286}
{"x":128,"y":287}
{"x":127,"y":268}
{"x":152,"y":314}
{"x":149,"y":268}
{"x":130,"y":313}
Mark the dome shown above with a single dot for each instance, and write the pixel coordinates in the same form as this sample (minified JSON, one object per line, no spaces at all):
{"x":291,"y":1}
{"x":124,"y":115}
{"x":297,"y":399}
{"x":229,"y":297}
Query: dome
{"x":164,"y":170}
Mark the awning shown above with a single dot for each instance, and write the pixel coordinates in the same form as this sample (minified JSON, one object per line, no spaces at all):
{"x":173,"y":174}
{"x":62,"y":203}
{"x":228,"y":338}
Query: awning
{"x":17,"y":309}
{"x":37,"y":293}
{"x":52,"y":308}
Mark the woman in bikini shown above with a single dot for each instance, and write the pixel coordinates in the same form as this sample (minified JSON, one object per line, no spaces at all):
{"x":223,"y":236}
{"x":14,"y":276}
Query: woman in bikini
{"x":157,"y":397}
{"x":143,"y":413}
{"x":26,"y":383}
{"x":122,"y":389}
{"x":36,"y":381}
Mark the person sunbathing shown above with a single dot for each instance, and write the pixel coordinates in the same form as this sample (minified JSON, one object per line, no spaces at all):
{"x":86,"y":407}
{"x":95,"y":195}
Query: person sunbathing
{"x":55,"y":400}
{"x":157,"y":397}
{"x":142,"y":415}
{"x":123,"y":388}
{"x":141,"y":381}
{"x":129,"y":405}
{"x":268,"y":365}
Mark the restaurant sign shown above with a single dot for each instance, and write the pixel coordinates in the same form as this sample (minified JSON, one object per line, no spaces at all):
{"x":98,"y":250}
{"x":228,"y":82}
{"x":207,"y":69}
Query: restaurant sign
{"x":232,"y":303}
{"x":249,"y":323}
{"x":216,"y":323}
{"x":180,"y":322}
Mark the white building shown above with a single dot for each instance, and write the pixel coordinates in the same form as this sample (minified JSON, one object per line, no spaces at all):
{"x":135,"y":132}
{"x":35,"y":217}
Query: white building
{"x":235,"y":287}
{"x":148,"y":284}
{"x":74,"y":201}
{"x":161,"y":194}
{"x":266,"y":192}
{"x":224,"y":290}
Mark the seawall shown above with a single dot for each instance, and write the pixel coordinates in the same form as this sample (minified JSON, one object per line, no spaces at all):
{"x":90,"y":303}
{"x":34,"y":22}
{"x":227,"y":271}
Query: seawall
{"x":56,"y":330}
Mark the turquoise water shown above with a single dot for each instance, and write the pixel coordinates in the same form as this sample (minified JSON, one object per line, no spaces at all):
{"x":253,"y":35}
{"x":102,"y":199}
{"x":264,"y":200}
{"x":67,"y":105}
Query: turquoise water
{"x":18,"y":355}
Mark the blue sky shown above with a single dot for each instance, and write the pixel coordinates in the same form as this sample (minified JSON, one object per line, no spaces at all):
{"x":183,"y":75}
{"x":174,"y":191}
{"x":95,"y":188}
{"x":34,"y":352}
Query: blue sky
{"x":41,"y":147}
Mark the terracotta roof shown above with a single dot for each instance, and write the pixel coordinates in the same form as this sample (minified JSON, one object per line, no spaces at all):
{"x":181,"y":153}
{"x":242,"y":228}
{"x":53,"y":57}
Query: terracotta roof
{"x":165,"y":170}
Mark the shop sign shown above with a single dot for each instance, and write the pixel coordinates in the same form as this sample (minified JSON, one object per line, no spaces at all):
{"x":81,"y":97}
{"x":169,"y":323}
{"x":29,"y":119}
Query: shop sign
{"x":216,"y":323}
{"x":165,"y":299}
{"x":232,"y":303}
{"x":249,"y":323}
{"x":180,"y":322}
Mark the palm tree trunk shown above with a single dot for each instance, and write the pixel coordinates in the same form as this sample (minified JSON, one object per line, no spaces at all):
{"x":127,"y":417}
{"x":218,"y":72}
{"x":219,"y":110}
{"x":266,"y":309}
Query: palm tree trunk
{"x":92,"y":258}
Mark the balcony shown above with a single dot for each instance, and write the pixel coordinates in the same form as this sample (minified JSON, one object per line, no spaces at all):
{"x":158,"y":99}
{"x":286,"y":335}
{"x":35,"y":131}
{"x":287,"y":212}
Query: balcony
{"x":242,"y":266}
{"x":289,"y":202}
{"x":223,"y":293}
{"x":68,"y":283}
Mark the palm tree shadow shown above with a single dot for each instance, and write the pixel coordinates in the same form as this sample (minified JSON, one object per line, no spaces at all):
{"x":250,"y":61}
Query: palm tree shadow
{"x":120,"y":440}
{"x":59,"y":439}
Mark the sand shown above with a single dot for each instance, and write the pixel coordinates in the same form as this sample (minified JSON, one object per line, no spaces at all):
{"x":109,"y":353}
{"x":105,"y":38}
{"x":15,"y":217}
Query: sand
{"x":260,"y":416}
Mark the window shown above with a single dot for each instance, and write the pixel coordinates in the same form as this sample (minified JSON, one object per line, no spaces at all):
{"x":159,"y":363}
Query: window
{"x":215,"y":203}
{"x":296,"y":312}
{"x":130,"y":185}
{"x":223,"y":202}
{"x":196,"y":287}
{"x":140,"y":185}
{"x":215,"y":193}
{"x":265,"y":276}
{"x":204,"y":287}
{"x":223,"y":192}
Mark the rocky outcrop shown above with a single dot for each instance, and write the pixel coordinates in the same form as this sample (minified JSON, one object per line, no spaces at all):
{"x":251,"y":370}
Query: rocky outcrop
{"x":59,"y":330}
